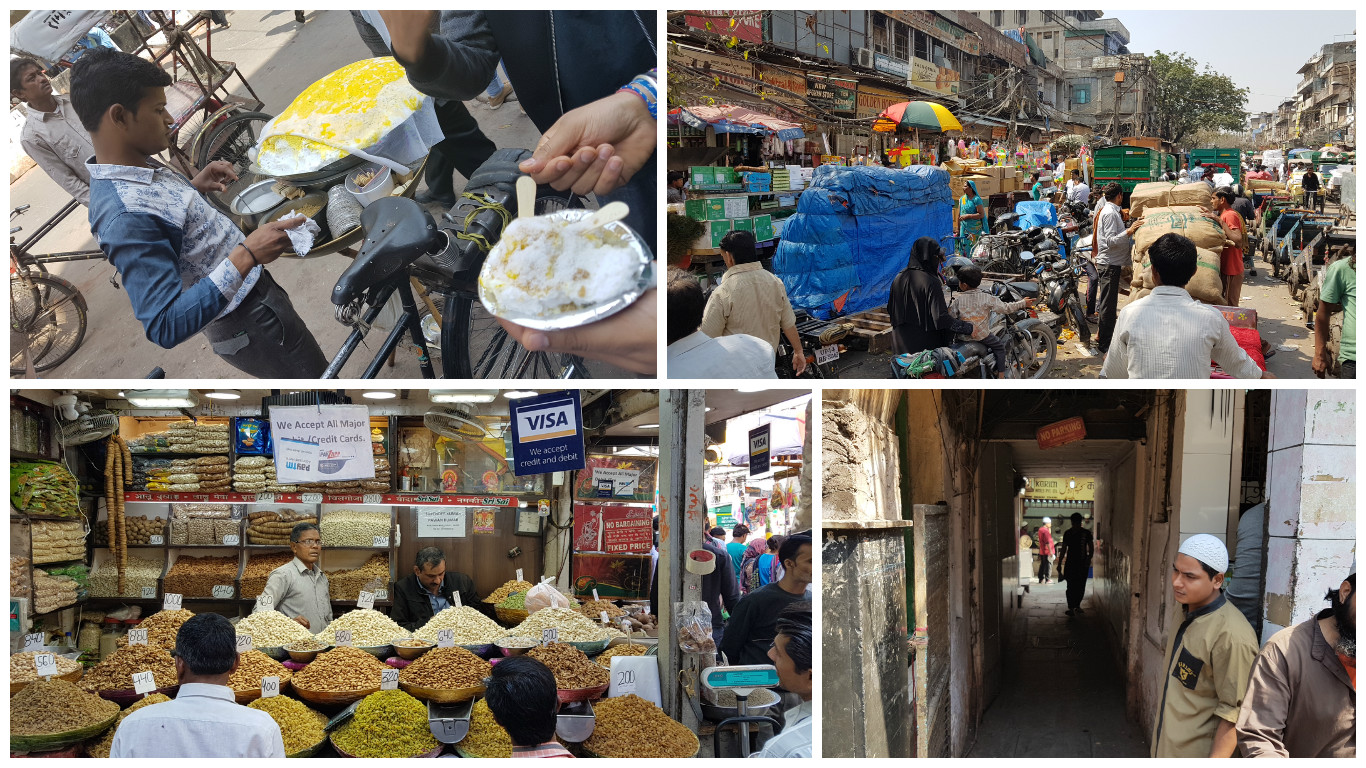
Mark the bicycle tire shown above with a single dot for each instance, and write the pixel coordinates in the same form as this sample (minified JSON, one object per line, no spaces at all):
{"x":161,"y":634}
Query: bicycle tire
{"x":54,"y":301}
{"x":475,"y":346}
{"x":230,"y":138}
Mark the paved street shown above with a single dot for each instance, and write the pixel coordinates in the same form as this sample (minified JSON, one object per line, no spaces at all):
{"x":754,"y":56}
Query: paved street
{"x":279,"y":57}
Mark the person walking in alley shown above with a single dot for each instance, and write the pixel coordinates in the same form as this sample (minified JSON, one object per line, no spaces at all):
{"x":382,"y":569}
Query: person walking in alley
{"x":1046,"y":551}
{"x":1301,"y":700}
{"x":1074,"y":562}
{"x":753,"y":623}
{"x":1209,"y":658}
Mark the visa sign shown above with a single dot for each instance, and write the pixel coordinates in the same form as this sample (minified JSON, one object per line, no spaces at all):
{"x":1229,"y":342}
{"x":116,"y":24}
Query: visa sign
{"x":547,"y":433}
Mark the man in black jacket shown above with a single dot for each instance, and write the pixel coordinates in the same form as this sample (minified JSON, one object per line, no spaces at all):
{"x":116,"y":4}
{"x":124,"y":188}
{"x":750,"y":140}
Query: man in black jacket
{"x":429,"y":590}
{"x":753,"y":622}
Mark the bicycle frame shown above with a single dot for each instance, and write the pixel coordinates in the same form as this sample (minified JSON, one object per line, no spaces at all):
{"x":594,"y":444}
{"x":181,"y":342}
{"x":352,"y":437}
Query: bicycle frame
{"x":410,"y":321}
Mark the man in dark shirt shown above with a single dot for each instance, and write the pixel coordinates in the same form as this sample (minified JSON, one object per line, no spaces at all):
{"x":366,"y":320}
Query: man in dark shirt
{"x":920,"y":315}
{"x":719,"y":587}
{"x":1310,"y":184}
{"x":753,"y":622}
{"x":429,"y":590}
{"x":1077,"y":548}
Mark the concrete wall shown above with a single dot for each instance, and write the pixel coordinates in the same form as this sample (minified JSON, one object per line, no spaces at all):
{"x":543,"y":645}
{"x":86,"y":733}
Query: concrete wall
{"x":859,"y":454}
{"x":998,"y":538}
{"x":1114,"y":531}
{"x":1311,"y":502}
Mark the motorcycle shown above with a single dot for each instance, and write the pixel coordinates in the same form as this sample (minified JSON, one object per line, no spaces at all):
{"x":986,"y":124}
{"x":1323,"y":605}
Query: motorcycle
{"x":1000,"y":252}
{"x":1031,"y":346}
{"x":1059,"y":277}
{"x":820,"y":344}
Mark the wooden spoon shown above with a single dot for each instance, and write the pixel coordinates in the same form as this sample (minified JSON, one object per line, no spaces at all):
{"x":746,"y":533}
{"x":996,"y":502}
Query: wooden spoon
{"x":609,"y":213}
{"x":526,"y":197}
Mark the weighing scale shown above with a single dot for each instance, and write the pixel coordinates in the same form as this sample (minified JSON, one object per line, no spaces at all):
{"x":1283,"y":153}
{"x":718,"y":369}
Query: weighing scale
{"x":742,"y":680}
{"x":575,"y":722}
{"x":449,"y":722}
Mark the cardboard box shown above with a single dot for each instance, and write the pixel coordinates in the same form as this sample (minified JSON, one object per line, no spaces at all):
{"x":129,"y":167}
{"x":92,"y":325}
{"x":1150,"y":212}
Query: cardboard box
{"x":716,"y":208}
{"x":787,"y":201}
{"x":696,"y":209}
{"x":744,"y":225}
{"x":1009,"y":172}
{"x":712,"y":234}
{"x":994,"y":171}
{"x":986,"y":185}
{"x":763,"y":228}
{"x":701,"y":175}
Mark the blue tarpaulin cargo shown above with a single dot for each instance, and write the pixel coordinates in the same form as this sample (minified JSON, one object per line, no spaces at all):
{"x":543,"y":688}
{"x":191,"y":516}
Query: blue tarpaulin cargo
{"x":853,"y":231}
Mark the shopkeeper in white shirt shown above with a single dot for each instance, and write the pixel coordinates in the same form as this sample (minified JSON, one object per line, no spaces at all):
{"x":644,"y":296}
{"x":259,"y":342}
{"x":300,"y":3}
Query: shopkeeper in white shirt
{"x":204,"y":719}
{"x":299,"y":587}
{"x":791,"y":655}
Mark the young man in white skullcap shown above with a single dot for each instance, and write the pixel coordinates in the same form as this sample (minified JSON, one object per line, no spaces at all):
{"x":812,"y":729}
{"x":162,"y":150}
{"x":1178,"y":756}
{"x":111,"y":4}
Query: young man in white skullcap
{"x":1209,"y":658}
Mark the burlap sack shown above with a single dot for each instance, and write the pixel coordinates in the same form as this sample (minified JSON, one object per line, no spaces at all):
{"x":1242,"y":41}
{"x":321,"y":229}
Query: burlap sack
{"x":1153,"y":194}
{"x":1202,"y":227}
{"x":1206,"y":285}
{"x":1195,"y":193}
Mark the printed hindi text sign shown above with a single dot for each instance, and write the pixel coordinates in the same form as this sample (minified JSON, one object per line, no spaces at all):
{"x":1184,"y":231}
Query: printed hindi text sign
{"x":440,"y":522}
{"x":547,"y":433}
{"x":613,"y":529}
{"x":1061,"y":433}
{"x":339,"y":436}
{"x":759,"y":450}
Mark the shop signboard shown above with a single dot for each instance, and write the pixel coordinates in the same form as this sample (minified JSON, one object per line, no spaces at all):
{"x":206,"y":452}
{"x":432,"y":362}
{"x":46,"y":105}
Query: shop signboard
{"x":441,"y":522}
{"x":795,"y":82}
{"x":758,"y":450}
{"x":617,"y":478}
{"x":884,"y":63}
{"x":747,"y":26}
{"x":735,"y":71}
{"x":547,"y":433}
{"x":1061,"y":433}
{"x":873,"y":101}
{"x":321,"y":443}
{"x":928,"y":76}
{"x":1061,"y":488}
{"x":615,"y":577}
{"x":613,"y":529}
{"x":723,"y":516}
{"x":408,"y":499}
{"x":831,"y":94}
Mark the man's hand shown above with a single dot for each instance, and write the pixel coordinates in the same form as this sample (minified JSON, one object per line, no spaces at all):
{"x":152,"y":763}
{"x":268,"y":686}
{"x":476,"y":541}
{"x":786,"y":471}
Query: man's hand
{"x":627,"y":339}
{"x":270,"y":240}
{"x":409,"y":32}
{"x":595,"y":148}
{"x":1270,"y":375}
{"x":1133,"y":227}
{"x":1320,"y":363}
{"x":302,"y":621}
{"x":215,"y":177}
{"x":1031,"y":302}
{"x":798,"y":362}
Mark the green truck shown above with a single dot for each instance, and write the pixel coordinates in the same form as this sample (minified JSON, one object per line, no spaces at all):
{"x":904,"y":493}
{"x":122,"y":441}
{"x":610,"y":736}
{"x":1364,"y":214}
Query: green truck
{"x":1130,"y":166}
{"x":1233,"y":158}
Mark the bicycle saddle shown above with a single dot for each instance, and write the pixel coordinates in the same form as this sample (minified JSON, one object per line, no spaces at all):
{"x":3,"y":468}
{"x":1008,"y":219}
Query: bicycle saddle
{"x":397,"y":232}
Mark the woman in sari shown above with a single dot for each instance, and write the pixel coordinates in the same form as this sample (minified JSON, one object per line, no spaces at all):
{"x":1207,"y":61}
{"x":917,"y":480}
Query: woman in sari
{"x":749,"y":565}
{"x":972,"y":215}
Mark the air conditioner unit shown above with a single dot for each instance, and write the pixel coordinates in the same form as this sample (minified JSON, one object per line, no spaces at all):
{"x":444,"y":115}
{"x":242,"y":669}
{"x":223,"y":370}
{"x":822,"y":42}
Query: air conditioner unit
{"x":865,"y":57}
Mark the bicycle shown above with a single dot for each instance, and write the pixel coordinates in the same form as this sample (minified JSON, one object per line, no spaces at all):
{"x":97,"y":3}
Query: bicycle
{"x":405,"y":248}
{"x":47,"y":314}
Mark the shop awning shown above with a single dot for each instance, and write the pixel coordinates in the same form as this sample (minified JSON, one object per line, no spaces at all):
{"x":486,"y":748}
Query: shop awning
{"x":727,"y":118}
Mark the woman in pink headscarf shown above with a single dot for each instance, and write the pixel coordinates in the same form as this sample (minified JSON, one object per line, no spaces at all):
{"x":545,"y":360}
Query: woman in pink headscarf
{"x":749,"y":564}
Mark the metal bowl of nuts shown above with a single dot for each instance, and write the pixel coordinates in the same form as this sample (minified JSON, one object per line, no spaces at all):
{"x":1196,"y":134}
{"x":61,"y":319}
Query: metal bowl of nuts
{"x":380,"y":652}
{"x":581,"y":694}
{"x":276,"y":652}
{"x":410,"y":647}
{"x":302,"y":651}
{"x":514,"y":646}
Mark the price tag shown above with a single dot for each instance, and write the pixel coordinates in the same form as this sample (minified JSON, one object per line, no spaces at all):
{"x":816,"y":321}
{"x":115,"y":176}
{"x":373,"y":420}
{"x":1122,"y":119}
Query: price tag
{"x":264,"y":602}
{"x":519,"y":574}
{"x":137,"y":637}
{"x":366,"y":600}
{"x":445,"y":638}
{"x":270,"y":686}
{"x":33,"y":641}
{"x":626,"y":681}
{"x":313,"y":498}
{"x":456,"y":597}
{"x":170,"y":602}
{"x":372,"y":498}
{"x":265,"y":498}
{"x":223,"y":591}
{"x":549,"y":635}
{"x":595,"y":594}
{"x":232,"y":540}
{"x":605,"y":620}
{"x":827,"y":354}
{"x":149,"y":593}
{"x":381,"y":594}
{"x":46,"y":664}
{"x":381,"y":541}
{"x":243,"y":643}
{"x":156,"y":540}
{"x":144,"y":682}
{"x":343,"y":637}
{"x":388,"y":680}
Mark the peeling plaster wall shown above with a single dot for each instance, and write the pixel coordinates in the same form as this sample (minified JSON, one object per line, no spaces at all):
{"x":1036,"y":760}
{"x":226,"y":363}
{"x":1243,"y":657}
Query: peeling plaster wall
{"x":859,"y":457}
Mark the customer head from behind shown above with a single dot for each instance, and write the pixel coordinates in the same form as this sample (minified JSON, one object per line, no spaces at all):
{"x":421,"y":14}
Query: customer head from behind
{"x":969,"y":277}
{"x":774,"y":542}
{"x":718,"y":533}
{"x":926,"y":254}
{"x":205,"y":650}
{"x":521,"y":695}
{"x":1112,"y":192}
{"x":795,"y":555}
{"x":739,"y":533}
{"x":686,"y":305}
{"x":121,"y":100}
{"x":738,"y":248}
{"x":1173,"y":260}
{"x":791,"y":650}
{"x":1076,"y":519}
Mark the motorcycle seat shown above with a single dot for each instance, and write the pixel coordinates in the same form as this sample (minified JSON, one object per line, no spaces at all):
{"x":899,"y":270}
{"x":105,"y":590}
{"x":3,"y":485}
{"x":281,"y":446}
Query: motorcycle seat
{"x":1028,"y":290}
{"x":969,"y":348}
{"x":397,"y":233}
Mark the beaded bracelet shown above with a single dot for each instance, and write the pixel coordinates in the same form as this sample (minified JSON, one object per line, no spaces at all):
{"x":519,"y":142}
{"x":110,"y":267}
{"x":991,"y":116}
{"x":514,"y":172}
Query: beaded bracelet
{"x":644,"y":87}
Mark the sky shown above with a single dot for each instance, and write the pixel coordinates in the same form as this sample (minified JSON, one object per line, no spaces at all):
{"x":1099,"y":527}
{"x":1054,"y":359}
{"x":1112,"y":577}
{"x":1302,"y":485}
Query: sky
{"x":1259,"y":50}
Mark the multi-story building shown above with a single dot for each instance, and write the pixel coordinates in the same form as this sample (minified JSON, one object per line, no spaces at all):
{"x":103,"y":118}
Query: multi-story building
{"x":1324,"y":100}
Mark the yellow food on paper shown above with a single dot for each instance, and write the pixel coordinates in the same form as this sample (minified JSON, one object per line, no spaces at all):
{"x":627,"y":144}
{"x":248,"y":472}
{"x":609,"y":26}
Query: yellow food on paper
{"x":353,"y":107}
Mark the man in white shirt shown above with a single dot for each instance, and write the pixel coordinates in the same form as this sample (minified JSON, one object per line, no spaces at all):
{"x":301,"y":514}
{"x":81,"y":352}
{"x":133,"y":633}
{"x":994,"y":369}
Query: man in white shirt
{"x":1077,"y":191}
{"x":791,"y":655}
{"x":1168,"y":334}
{"x":1221,"y":178}
{"x":205,"y":719}
{"x":52,"y":135}
{"x":695,"y":355}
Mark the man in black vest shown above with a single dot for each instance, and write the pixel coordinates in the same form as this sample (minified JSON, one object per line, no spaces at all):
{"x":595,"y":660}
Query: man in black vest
{"x":429,"y":590}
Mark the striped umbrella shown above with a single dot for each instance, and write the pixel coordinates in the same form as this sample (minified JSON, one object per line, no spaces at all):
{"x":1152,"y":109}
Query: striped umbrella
{"x":908,"y":115}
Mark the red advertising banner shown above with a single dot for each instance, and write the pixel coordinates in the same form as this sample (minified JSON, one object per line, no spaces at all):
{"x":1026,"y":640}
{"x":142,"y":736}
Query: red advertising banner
{"x":613,"y":576}
{"x":744,"y":25}
{"x":614,"y":530}
{"x":1061,"y":433}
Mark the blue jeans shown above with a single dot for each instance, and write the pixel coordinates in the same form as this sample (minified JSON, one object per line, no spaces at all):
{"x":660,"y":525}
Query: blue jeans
{"x":495,"y":85}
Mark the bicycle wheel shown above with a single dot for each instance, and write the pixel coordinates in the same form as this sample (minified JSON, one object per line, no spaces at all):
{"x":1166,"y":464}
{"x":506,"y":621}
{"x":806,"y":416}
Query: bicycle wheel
{"x":475,"y":346}
{"x":230,"y":139}
{"x":47,"y":322}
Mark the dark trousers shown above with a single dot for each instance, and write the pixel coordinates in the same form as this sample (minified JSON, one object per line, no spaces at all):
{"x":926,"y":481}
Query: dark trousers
{"x":1348,"y":369}
{"x":1109,"y":305}
{"x":1043,"y":567}
{"x":998,"y":350}
{"x":264,"y":337}
{"x":1076,"y":589}
{"x":1091,"y":280}
{"x":464,"y":149}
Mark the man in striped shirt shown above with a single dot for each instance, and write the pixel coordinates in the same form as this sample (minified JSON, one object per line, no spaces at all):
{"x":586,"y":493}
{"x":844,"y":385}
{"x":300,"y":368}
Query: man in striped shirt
{"x":1168,"y":334}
